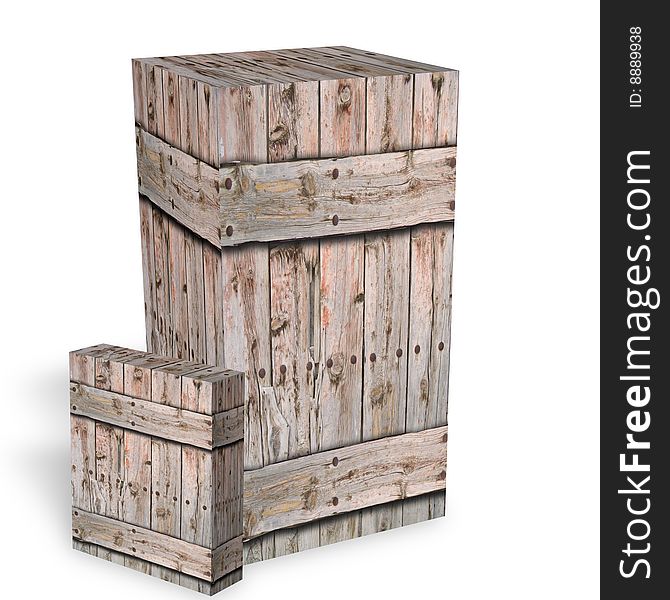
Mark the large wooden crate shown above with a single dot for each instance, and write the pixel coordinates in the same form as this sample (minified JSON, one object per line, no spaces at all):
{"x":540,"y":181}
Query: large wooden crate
{"x":297,"y":215}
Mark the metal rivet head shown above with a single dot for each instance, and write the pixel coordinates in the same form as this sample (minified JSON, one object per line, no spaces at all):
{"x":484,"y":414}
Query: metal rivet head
{"x":353,"y":360}
{"x":133,"y":531}
{"x":132,"y":404}
{"x":282,"y":369}
{"x":261,"y":373}
{"x":398,"y":352}
{"x":452,"y":205}
{"x":76,"y":531}
{"x":134,"y":549}
{"x":373,"y":357}
{"x":442,"y":475}
{"x":132,"y":423}
{"x":144,"y":489}
{"x":174,"y":498}
{"x":229,"y":230}
{"x":157,"y":493}
{"x":329,"y":363}
{"x":74,"y":407}
{"x":188,"y":502}
{"x":336,"y":173}
{"x":335,"y":461}
{"x":309,"y":366}
{"x":417,"y":349}
{"x":336,"y":219}
{"x":204,"y":507}
{"x":440,"y":346}
{"x":76,"y":514}
{"x":336,"y":501}
{"x":90,"y":472}
{"x":228,"y":183}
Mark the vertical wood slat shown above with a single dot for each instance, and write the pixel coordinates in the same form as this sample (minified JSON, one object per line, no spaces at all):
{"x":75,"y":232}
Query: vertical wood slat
{"x":293,"y":126}
{"x":147,"y":238}
{"x":434,"y":124}
{"x":178,"y":290}
{"x":213,"y":284}
{"x":339,"y":385}
{"x":388,"y":129}
{"x":188,"y":115}
{"x":171,"y":108}
{"x":195,"y":295}
{"x":242,"y":122}
{"x":162,"y":340}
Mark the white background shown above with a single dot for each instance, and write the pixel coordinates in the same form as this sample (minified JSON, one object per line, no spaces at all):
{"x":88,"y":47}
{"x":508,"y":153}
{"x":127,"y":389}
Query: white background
{"x":523,"y":443}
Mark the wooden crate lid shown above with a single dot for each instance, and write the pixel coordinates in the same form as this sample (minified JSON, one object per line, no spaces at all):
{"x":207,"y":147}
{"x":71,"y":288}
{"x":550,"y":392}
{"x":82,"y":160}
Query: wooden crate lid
{"x":285,"y":66}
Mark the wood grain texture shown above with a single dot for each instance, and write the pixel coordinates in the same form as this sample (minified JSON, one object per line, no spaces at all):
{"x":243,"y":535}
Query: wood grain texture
{"x":162,"y":334}
{"x":147,"y":238}
{"x":195,"y":294}
{"x":303,"y":199}
{"x":179,"y":555}
{"x":128,"y":412}
{"x":183,"y":186}
{"x":347,"y":479}
{"x":387,"y":266}
{"x":178,"y":291}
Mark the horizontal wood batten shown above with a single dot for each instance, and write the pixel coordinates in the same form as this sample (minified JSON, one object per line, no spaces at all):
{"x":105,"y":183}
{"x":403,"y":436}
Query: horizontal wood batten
{"x":301,"y":490}
{"x":160,"y":420}
{"x":297,"y":199}
{"x":183,"y":186}
{"x":317,"y":198}
{"x":158,"y":548}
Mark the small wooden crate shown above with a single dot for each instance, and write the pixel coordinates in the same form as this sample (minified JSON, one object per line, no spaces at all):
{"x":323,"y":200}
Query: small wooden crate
{"x":157,"y":450}
{"x":297,"y":215}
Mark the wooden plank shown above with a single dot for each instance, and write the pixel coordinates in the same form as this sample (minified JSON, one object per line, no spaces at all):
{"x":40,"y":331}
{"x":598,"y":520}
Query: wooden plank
{"x":435,"y":101}
{"x":166,"y":381}
{"x":294,"y":331}
{"x":435,"y":109}
{"x":197,"y":496}
{"x":140,"y":93}
{"x":166,"y":487}
{"x":388,"y":129}
{"x":304,"y":199}
{"x":148,"y":269}
{"x":242,"y":122}
{"x":162,"y":337}
{"x":178,"y":291}
{"x":332,"y":61}
{"x":293,"y":113}
{"x":212,"y":390}
{"x":188,"y":115}
{"x":195,"y":295}
{"x":121,"y":411}
{"x":380,"y":60}
{"x":338,"y":397}
{"x":82,"y":453}
{"x":213,"y":283}
{"x":247,"y":340}
{"x":228,"y":481}
{"x":342,"y":480}
{"x":171,"y":108}
{"x":179,"y":555}
{"x":208,"y":150}
{"x":183,"y":186}
{"x":109,"y":469}
{"x":246,"y":287}
{"x":155,"y":119}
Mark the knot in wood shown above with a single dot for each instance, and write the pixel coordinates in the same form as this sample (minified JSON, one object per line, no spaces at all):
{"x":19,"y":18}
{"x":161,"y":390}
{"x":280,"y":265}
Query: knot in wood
{"x":308,"y":185}
{"x":279,"y":135}
{"x":335,"y":366}
{"x":344,"y":94}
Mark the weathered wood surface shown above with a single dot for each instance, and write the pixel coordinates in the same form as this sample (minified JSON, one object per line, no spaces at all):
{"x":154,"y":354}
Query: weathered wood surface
{"x":338,"y":481}
{"x":318,"y":198}
{"x":179,"y":425}
{"x":164,"y":573}
{"x":183,"y":186}
{"x":158,"y":548}
{"x":138,"y":479}
{"x":367,"y":103}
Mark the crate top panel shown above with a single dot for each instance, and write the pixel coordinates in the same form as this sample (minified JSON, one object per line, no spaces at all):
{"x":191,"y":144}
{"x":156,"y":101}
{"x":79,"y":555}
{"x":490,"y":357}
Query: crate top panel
{"x":283,"y":66}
